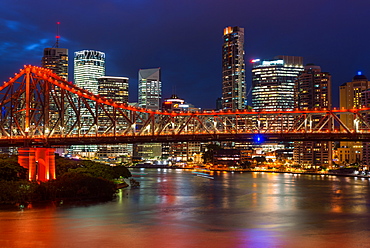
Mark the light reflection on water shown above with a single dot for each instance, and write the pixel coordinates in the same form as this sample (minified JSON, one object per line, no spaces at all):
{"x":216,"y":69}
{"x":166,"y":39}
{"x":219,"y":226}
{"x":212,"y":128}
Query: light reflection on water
{"x":174,"y":208}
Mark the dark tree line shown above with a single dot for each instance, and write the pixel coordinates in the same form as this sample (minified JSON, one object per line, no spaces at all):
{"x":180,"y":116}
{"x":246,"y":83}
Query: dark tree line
{"x":76,"y":180}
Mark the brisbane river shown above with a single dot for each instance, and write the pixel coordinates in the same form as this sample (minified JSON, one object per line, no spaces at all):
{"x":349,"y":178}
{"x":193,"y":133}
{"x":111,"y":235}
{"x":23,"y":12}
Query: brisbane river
{"x":177,"y":208}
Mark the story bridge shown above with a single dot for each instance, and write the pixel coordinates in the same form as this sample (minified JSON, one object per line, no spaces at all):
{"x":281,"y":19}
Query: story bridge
{"x":40,"y":110}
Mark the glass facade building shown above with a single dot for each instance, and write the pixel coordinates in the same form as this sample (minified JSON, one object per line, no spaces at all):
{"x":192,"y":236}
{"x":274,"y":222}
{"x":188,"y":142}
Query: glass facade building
{"x":273,"y":82}
{"x":56,"y":59}
{"x":351,"y":95}
{"x":115,"y":88}
{"x":89,"y":65}
{"x":150,"y":95}
{"x":313,"y":91}
{"x":150,"y":88}
{"x":233,"y":69}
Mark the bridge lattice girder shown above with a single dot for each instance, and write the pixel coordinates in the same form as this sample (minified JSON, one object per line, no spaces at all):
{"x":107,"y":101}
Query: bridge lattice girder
{"x":40,"y":108}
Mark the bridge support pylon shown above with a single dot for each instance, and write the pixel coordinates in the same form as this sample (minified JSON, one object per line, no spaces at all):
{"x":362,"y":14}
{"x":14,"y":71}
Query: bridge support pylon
{"x":40,"y":163}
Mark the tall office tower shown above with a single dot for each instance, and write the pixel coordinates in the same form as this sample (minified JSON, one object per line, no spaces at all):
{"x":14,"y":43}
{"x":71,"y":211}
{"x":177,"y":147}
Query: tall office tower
{"x":115,"y":88}
{"x":350,"y":97}
{"x":56,"y":59}
{"x":89,"y":65}
{"x":233,"y":69}
{"x":273,"y":82}
{"x":150,"y":94}
{"x":150,"y":88}
{"x":313,"y":90}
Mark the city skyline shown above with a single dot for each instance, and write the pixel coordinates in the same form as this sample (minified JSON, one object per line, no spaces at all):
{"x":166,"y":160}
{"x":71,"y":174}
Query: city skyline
{"x":188,"y":50}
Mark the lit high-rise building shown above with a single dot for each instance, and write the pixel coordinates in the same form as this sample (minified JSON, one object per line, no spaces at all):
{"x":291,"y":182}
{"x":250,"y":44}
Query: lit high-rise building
{"x":313,"y":90}
{"x":115,"y":88}
{"x":150,"y":88}
{"x":233,"y":69}
{"x":273,"y":85}
{"x":273,"y":82}
{"x":350,"y":95}
{"x":365,"y":100}
{"x":56,"y":59}
{"x":89,"y":65}
{"x":150,"y":94}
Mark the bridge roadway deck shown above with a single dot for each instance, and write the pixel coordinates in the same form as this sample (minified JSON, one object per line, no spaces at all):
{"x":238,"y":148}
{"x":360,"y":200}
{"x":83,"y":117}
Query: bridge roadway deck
{"x":240,"y":137}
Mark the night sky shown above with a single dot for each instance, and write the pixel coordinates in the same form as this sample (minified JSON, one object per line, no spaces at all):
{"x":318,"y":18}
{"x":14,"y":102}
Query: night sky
{"x":184,"y":38}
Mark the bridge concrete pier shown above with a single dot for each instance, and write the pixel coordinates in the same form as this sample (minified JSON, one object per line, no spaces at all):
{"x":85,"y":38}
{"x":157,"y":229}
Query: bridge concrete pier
{"x":40,"y":163}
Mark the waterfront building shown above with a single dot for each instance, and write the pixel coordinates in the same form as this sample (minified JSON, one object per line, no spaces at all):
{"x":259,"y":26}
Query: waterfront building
{"x":116,"y":89}
{"x":89,"y":65}
{"x":350,"y":96}
{"x":150,"y":88}
{"x":150,"y":94}
{"x":179,"y":151}
{"x":233,"y":69}
{"x":365,"y":100}
{"x":313,"y":91}
{"x":147,"y":151}
{"x":273,"y":85}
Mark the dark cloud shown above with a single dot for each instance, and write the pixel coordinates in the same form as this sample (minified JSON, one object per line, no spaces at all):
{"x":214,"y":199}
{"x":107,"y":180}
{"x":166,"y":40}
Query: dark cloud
{"x":184,"y":38}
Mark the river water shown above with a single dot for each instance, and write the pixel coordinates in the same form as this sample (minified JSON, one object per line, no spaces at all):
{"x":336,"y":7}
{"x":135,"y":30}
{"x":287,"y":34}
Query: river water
{"x":175,"y":208}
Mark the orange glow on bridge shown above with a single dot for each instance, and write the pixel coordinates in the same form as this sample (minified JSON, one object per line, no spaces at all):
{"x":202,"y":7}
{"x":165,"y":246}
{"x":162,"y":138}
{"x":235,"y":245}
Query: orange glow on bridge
{"x":40,"y":163}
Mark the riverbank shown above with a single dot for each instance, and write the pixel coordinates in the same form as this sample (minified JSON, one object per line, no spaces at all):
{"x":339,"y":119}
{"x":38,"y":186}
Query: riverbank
{"x":254,"y":170}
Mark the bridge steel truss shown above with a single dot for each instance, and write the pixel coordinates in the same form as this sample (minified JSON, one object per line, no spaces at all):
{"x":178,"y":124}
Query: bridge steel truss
{"x":40,"y":109}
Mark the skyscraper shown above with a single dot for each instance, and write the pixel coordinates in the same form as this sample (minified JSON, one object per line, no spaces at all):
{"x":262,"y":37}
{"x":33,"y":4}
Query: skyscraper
{"x":56,"y":59}
{"x":350,"y":94}
{"x":115,"y":88}
{"x":273,"y":82}
{"x":150,"y":94}
{"x":150,"y":88}
{"x":89,"y":65}
{"x":313,"y":90}
{"x":365,"y":100}
{"x":233,"y":69}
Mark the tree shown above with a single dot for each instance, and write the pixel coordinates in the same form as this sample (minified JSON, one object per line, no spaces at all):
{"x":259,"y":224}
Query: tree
{"x":10,"y":170}
{"x":121,"y":171}
{"x":209,"y":153}
{"x":80,"y":186}
{"x":260,"y":160}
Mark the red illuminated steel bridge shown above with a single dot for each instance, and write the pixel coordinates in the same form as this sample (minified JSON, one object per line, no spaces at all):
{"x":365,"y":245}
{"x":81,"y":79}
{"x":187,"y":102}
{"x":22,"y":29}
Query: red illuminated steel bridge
{"x":40,"y":110}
